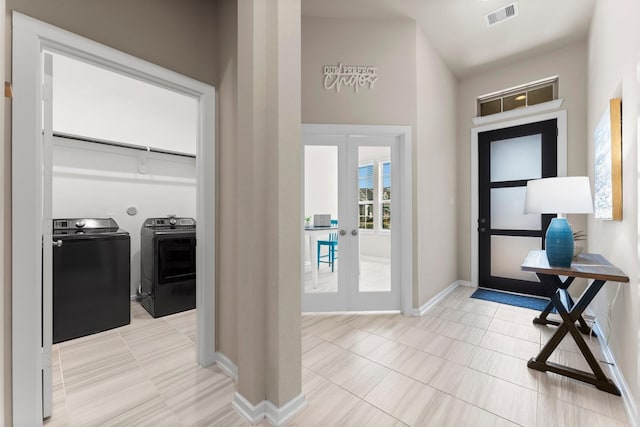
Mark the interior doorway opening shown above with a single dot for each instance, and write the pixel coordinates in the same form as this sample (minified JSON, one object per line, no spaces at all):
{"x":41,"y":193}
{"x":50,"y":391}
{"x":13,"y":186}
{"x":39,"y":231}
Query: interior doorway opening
{"x":31,"y":174}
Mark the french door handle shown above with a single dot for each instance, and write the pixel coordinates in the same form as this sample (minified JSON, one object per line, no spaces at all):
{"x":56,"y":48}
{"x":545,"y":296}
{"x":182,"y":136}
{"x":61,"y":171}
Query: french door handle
{"x":354,"y":232}
{"x":482,"y":229}
{"x":343,"y":233}
{"x":57,"y":243}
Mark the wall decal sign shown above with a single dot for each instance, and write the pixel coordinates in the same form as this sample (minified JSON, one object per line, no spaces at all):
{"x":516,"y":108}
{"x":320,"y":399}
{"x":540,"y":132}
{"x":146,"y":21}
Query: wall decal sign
{"x":336,"y":76}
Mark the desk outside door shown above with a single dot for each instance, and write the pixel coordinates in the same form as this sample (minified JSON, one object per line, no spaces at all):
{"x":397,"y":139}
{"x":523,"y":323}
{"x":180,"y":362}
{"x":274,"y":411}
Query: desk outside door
{"x":589,"y":266}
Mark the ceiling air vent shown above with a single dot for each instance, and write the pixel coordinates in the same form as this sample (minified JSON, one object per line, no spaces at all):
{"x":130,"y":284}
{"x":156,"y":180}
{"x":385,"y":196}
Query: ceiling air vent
{"x":500,"y":15}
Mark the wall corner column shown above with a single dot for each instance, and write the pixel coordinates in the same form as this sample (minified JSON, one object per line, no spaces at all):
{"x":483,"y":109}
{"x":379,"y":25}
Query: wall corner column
{"x":269,"y":176}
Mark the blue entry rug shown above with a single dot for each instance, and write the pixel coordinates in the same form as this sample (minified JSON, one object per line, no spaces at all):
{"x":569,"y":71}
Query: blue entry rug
{"x":511,"y":299}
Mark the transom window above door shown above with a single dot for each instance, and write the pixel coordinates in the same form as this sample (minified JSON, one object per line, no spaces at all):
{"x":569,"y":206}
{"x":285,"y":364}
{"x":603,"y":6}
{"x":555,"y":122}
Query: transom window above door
{"x":518,"y":97}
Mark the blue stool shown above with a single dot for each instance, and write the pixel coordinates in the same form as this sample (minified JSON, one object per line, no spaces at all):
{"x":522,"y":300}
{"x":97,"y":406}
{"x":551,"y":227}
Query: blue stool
{"x":332,"y":243}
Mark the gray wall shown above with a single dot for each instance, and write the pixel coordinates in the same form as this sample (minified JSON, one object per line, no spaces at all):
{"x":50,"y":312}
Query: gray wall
{"x":227,"y":184}
{"x":614,"y":53}
{"x":179,"y":36}
{"x":388,"y":45}
{"x":435,"y":176}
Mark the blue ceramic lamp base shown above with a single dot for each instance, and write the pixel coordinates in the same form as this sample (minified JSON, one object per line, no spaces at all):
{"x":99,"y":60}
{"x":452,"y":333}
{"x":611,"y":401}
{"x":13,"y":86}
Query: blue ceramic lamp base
{"x":559,"y":243}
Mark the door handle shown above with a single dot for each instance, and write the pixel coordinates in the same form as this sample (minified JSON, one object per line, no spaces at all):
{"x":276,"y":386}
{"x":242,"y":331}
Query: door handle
{"x":57,"y":243}
{"x":343,"y":233}
{"x":482,"y":229}
{"x":354,"y":232}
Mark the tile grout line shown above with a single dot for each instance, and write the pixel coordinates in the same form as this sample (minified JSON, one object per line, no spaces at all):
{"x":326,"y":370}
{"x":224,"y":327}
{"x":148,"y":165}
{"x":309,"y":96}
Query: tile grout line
{"x":468,"y":367}
{"x":414,"y":379}
{"x":493,"y":316}
{"x":542,"y":393}
{"x":144,"y":372}
{"x":64,"y":387}
{"x":539,"y":392}
{"x":361,"y":399}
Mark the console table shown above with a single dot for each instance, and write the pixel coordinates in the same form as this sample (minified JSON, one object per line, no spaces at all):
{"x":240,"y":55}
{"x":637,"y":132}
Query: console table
{"x":589,"y":266}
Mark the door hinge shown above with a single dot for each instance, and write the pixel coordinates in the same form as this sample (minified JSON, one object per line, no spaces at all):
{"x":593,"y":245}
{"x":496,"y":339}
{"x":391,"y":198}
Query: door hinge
{"x":46,"y":358}
{"x":46,"y":92}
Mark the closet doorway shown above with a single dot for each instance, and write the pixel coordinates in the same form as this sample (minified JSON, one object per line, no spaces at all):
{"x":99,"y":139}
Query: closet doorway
{"x":33,"y":81}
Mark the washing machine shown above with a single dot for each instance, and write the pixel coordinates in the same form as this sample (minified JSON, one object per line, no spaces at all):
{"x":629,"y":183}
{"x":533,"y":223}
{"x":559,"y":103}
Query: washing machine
{"x":91,"y":277}
{"x":167,"y":265}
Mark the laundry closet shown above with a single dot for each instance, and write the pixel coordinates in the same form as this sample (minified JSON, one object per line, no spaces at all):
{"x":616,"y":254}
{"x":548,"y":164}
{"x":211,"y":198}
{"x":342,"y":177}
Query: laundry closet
{"x":123,"y":168}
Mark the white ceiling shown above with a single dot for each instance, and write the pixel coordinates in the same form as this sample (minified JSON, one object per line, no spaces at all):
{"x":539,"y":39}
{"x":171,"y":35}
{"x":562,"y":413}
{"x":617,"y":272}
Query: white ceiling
{"x":457,"y":28}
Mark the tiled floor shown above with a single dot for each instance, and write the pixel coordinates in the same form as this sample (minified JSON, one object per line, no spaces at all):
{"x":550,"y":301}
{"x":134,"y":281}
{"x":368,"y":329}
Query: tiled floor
{"x":142,"y":374}
{"x":461,"y":364}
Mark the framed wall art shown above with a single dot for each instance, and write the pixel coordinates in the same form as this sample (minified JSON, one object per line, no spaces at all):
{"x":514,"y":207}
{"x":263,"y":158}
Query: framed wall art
{"x":607,"y":140}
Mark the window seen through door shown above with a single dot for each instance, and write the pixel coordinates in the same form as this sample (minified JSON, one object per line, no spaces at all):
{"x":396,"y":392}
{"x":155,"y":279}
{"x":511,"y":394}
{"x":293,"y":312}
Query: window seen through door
{"x":365,"y":191}
{"x":385,"y":201}
{"x":374,"y":196}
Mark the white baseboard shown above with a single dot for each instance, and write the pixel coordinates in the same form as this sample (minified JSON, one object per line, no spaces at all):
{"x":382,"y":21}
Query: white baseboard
{"x":252,"y":413}
{"x":439,"y":297}
{"x":276,"y":416}
{"x":227,"y":365}
{"x":375,"y":259}
{"x":627,"y":398}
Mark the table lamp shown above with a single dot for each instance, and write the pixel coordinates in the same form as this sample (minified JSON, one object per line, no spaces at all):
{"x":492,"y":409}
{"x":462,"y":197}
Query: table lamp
{"x":561,"y":195}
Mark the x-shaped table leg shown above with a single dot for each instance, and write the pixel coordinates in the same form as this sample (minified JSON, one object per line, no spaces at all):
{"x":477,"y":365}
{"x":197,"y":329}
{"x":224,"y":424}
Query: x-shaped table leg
{"x":543,"y":319}
{"x":551,"y":284}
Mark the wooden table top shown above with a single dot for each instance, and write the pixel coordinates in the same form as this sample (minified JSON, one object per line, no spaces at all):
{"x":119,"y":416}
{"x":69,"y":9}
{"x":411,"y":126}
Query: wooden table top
{"x":590,"y":266}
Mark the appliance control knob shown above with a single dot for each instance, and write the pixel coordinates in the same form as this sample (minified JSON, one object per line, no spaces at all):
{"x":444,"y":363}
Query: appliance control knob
{"x":80,"y":223}
{"x":173,"y":221}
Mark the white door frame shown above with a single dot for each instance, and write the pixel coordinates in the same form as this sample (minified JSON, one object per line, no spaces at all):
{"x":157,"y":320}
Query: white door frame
{"x":30,"y":38}
{"x":401,"y":247}
{"x":560,"y":116}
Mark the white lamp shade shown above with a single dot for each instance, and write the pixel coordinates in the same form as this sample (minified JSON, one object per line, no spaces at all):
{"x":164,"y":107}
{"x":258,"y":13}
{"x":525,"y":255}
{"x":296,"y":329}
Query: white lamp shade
{"x":561,"y":195}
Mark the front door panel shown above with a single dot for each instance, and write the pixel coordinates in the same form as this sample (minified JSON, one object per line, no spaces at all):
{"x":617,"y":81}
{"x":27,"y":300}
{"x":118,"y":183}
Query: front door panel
{"x":508,"y":158}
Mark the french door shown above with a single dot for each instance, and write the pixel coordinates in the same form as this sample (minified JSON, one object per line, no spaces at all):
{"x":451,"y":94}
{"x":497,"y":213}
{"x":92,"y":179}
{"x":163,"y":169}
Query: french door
{"x":507,"y":159}
{"x":351,"y":178}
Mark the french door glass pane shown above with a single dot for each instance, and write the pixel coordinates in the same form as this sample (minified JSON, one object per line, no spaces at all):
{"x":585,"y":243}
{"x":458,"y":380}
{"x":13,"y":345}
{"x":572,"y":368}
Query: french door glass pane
{"x":507,"y":210}
{"x":321,"y":197}
{"x":516,"y":158}
{"x":366,"y":216}
{"x":507,"y":254}
{"x":386,"y":216}
{"x":374,"y":263}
